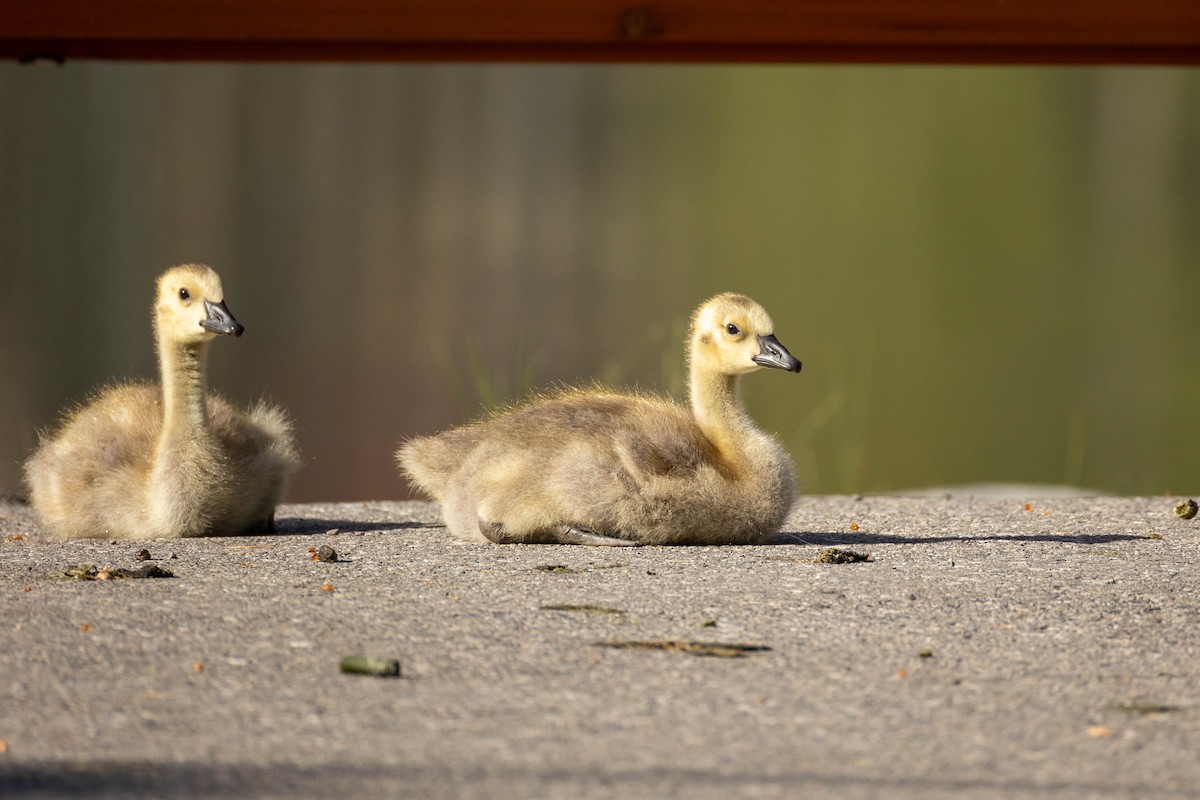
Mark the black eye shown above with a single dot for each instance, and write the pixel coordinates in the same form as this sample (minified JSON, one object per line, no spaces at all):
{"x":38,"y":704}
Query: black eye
{"x":733,"y":329}
{"x":184,"y":294}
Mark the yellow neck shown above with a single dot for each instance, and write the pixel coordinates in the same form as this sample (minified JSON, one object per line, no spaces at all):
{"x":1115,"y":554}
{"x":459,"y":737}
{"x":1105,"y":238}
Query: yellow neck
{"x":184,"y":410}
{"x":719,"y":413}
{"x":186,"y":470}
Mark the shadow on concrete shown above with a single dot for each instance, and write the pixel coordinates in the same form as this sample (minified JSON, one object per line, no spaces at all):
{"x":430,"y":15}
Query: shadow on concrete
{"x":847,"y":538}
{"x":203,"y":780}
{"x":285,"y":526}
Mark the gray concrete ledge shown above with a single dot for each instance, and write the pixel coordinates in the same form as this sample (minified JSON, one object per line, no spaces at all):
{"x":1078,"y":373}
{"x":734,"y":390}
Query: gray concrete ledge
{"x":1013,"y":647}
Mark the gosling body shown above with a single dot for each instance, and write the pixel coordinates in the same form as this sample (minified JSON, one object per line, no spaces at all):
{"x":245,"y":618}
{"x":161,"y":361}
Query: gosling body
{"x":590,"y":466}
{"x":170,"y":460}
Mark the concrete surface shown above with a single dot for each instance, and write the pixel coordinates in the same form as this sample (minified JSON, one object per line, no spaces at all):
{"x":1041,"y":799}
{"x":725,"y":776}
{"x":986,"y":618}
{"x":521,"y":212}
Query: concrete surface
{"x":1030,"y":647}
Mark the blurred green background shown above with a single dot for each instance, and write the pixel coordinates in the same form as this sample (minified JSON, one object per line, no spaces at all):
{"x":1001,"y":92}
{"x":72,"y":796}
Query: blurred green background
{"x":990,"y":274}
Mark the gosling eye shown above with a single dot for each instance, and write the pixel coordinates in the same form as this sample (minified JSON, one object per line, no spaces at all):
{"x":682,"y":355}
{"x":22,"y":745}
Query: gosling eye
{"x":732,"y":329}
{"x":185,"y":295}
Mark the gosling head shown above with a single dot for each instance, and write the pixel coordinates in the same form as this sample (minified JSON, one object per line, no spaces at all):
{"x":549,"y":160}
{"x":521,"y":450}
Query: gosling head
{"x":191,"y":308}
{"x":733,"y":335}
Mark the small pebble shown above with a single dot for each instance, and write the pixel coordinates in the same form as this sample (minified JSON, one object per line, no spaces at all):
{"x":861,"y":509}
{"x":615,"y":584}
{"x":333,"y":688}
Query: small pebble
{"x":1186,"y":509}
{"x":326,"y":554}
{"x":142,"y":555}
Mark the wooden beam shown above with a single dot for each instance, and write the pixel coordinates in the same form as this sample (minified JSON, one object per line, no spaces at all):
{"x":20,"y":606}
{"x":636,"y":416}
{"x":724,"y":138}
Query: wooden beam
{"x":782,"y":31}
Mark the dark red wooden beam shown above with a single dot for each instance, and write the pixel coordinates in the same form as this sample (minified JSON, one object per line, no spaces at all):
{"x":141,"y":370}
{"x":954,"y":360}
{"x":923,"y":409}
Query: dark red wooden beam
{"x":782,"y":31}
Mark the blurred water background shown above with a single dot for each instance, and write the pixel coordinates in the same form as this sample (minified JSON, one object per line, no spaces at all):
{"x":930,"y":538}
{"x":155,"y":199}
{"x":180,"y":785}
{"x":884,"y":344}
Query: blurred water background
{"x":990,"y":274}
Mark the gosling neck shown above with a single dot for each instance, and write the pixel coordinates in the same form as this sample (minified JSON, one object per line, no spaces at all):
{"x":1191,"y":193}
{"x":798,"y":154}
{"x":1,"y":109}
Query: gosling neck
{"x":719,"y":412}
{"x":183,"y":383}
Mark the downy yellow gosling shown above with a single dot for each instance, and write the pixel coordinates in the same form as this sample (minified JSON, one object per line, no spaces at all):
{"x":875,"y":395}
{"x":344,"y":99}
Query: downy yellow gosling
{"x":589,"y":466}
{"x":146,"y":461}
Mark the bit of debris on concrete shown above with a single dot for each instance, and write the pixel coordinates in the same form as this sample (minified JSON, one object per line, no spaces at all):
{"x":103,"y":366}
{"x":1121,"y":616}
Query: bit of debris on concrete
{"x":835,"y":555}
{"x":564,"y":569}
{"x":587,"y":608}
{"x":1143,"y":708}
{"x":717,"y":649}
{"x":926,"y":653}
{"x":366,"y":665}
{"x":91,"y":572}
{"x":325,"y":554}
{"x":142,"y":555}
{"x":1187,"y":509}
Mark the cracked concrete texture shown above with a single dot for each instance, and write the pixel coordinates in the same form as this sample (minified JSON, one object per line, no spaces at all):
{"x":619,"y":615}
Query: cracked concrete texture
{"x":994,"y":647}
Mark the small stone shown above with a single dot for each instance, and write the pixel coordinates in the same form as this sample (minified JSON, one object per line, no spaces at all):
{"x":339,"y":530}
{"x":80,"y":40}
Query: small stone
{"x":142,"y":555}
{"x":1186,"y":510}
{"x":327,"y":554}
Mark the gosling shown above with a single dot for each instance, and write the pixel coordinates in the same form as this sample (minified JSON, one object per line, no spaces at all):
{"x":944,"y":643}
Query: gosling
{"x":588,"y":466}
{"x":142,"y":461}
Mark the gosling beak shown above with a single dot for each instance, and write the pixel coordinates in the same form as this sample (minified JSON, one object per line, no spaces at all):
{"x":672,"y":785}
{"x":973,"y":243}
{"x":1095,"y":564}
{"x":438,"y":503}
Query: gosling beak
{"x":219,"y":320}
{"x":775,"y":355}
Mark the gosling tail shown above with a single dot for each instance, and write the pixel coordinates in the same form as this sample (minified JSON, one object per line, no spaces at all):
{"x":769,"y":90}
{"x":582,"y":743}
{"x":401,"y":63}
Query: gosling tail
{"x":427,"y":462}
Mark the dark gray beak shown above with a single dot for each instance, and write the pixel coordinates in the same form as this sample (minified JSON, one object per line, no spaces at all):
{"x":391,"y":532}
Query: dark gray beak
{"x":220,"y":320}
{"x":774,"y":355}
